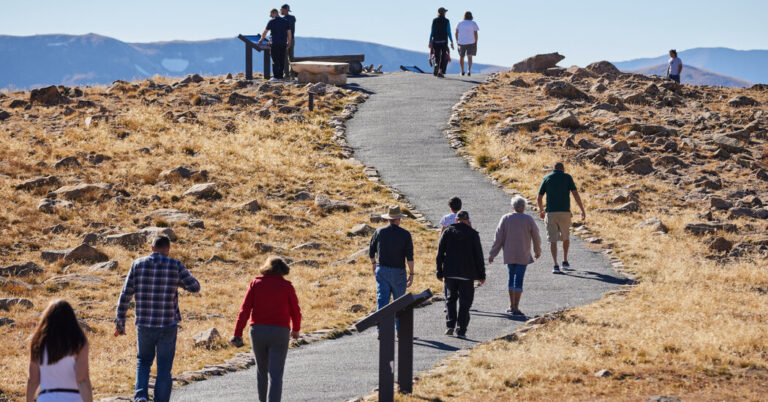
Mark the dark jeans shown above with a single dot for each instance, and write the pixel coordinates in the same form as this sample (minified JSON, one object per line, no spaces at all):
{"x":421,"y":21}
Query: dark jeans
{"x":270,"y":346}
{"x":151,"y":342}
{"x":675,"y":77}
{"x":462,"y":291}
{"x":441,"y":49}
{"x":278,"y":59}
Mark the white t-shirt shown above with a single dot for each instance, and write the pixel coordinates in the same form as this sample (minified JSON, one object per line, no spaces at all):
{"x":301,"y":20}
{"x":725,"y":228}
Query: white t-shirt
{"x":449,"y":220}
{"x":467,"y":29}
{"x":675,"y":66}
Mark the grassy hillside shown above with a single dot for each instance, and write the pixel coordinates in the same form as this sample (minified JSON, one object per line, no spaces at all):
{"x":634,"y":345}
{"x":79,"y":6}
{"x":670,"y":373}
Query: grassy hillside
{"x":143,"y":145}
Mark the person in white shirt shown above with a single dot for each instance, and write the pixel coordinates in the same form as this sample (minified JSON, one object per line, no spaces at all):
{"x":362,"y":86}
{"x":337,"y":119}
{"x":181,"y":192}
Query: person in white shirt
{"x":674,"y":66}
{"x":454,"y":204}
{"x":466,"y":36}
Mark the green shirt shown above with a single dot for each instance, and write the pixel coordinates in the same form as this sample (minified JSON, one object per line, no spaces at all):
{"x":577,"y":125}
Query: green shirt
{"x":557,"y":186}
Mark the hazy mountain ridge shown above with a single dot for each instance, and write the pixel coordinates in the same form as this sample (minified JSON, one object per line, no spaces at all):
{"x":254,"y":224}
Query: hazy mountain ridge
{"x":748,"y":65}
{"x":697,"y":76}
{"x":94,"y":59}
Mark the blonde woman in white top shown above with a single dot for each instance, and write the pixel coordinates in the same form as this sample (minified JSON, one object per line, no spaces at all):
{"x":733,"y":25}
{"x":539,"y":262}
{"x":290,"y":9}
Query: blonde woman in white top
{"x":58,"y":364}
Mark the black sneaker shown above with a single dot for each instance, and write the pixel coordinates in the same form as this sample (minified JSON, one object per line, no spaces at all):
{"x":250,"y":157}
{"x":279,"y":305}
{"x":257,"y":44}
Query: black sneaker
{"x":449,"y":331}
{"x":556,"y":270}
{"x":469,"y":74}
{"x":462,"y":73}
{"x":567,"y":266}
{"x":440,"y":75}
{"x":461,"y":333}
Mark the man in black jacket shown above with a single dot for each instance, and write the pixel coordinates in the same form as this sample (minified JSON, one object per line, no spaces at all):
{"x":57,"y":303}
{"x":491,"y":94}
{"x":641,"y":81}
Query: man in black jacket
{"x":459,"y":263}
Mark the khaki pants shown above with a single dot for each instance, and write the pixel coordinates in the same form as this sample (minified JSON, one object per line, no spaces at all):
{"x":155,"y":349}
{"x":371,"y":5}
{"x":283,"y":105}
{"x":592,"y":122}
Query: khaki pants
{"x":288,"y":59}
{"x":558,"y":226}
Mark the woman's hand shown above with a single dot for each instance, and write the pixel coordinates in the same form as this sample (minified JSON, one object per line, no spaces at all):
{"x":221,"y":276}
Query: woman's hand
{"x":237,"y":341}
{"x":295,"y":335}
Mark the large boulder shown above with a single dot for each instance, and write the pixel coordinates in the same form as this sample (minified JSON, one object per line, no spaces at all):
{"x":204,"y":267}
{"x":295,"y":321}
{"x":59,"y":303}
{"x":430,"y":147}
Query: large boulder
{"x":538,"y":63}
{"x":732,"y":145}
{"x":81,"y":253}
{"x":47,"y":96}
{"x":641,"y":166}
{"x":562,"y":89}
{"x":207,"y":338}
{"x":603,"y":68}
{"x":565,"y":118}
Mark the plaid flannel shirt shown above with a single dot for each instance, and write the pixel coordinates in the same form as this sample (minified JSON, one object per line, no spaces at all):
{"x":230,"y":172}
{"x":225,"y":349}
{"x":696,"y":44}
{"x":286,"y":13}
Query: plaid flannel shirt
{"x":155,"y":280}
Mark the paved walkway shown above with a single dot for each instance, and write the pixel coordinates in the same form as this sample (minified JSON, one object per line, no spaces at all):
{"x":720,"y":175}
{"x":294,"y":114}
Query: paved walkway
{"x":399,"y":130}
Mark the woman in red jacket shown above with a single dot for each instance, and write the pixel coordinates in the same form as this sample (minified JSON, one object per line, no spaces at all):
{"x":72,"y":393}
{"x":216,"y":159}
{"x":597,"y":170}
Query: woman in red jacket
{"x":272,"y":304}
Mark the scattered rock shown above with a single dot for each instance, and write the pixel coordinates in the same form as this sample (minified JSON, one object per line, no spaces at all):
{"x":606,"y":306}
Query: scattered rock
{"x":641,"y":166}
{"x":719,"y":203}
{"x":727,"y":143}
{"x":49,"y":206}
{"x":263,"y":248}
{"x":739,"y":212}
{"x":562,"y":89}
{"x":4,"y":115}
{"x":103,"y":266}
{"x":192,"y":78}
{"x":37,"y":182}
{"x":565,"y":119}
{"x":361,"y":230}
{"x":6,"y":321}
{"x":81,"y":253}
{"x":6,"y":304}
{"x":182,"y":172}
{"x":538,"y":63}
{"x":242,"y":100}
{"x":207,"y":338}
{"x":603,"y":373}
{"x":68,"y":162}
{"x":72,"y":279}
{"x":12,"y":286}
{"x":328,"y":205}
{"x":18,"y":103}
{"x":203,"y":191}
{"x":699,"y":228}
{"x":312,"y":245}
{"x":55,"y":229}
{"x":47,"y":96}
{"x":82,"y":190}
{"x":357,"y":308}
{"x":302,"y":196}
{"x":621,"y":146}
{"x":626,"y":208}
{"x":252,"y":207}
{"x":603,"y":68}
{"x":655,"y":224}
{"x":741,"y":100}
{"x":174,"y":216}
{"x":21,"y":270}
{"x":720,"y":244}
{"x":509,"y":125}
{"x":663,"y":398}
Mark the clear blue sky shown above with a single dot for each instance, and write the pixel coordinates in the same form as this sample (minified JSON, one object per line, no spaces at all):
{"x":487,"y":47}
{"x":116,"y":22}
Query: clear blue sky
{"x":583,"y":31}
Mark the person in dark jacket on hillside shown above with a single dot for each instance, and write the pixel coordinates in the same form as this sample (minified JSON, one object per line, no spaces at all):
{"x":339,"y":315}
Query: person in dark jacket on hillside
{"x":459,"y":264}
{"x":438,"y":40}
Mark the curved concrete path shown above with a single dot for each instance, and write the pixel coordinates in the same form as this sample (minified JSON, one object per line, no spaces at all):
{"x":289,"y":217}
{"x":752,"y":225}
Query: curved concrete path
{"x":399,"y":130}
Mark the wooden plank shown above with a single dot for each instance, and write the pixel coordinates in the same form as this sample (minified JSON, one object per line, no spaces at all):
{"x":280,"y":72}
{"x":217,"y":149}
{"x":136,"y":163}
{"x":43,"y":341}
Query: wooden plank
{"x":337,"y":58}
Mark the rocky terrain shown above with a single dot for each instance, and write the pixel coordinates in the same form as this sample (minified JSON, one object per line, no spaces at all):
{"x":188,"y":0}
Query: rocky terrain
{"x":674,"y":182}
{"x":231,"y":170}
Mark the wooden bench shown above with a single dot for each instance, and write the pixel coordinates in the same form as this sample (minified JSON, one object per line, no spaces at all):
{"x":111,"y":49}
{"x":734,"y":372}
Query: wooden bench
{"x":321,"y":71}
{"x":355,"y":61}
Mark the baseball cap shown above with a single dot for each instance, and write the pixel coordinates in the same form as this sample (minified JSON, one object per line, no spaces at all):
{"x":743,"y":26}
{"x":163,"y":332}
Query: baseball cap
{"x":462,"y":216}
{"x":442,"y":10}
{"x":287,"y":7}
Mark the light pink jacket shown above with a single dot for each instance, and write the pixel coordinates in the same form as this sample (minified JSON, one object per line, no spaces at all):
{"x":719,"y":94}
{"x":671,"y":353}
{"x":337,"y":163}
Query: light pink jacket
{"x":515,"y":233}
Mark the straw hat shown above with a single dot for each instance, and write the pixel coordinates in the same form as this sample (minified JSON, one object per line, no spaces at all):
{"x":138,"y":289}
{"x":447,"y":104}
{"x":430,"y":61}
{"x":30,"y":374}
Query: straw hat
{"x":393,"y":213}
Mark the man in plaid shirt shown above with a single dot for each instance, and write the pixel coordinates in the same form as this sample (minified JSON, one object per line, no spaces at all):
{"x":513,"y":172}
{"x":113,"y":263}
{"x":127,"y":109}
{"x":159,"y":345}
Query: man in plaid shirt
{"x":154,"y":281}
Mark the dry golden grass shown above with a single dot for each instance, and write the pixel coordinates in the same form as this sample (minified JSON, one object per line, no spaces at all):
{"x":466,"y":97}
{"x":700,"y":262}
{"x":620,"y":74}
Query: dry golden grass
{"x":255,"y":159}
{"x":693,"y":327}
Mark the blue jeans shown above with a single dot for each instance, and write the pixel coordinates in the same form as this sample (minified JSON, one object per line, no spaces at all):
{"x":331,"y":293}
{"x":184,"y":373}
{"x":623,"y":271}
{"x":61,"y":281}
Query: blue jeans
{"x":675,"y":77}
{"x":516,"y":276}
{"x":389,"y":282}
{"x":151,"y":341}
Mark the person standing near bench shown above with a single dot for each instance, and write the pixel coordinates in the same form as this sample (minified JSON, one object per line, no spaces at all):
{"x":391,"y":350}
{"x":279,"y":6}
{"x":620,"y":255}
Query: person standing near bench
{"x":281,"y":39}
{"x":390,"y":249}
{"x":438,"y":40}
{"x":515,"y":235}
{"x":154,"y":281}
{"x":558,"y":187}
{"x":285,"y":11}
{"x":272,"y":305}
{"x":58,"y":364}
{"x":459,"y":264}
{"x":466,"y":36}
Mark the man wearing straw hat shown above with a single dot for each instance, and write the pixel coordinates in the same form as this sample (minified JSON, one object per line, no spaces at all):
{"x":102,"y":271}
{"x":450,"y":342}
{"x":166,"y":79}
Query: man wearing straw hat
{"x":390,"y":249}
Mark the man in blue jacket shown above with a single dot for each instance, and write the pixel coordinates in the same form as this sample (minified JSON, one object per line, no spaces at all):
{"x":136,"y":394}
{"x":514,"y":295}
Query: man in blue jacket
{"x":459,"y":264}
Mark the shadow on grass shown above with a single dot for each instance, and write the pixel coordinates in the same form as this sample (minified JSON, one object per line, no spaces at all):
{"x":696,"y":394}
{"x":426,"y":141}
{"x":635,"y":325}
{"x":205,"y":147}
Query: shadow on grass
{"x":596,"y":276}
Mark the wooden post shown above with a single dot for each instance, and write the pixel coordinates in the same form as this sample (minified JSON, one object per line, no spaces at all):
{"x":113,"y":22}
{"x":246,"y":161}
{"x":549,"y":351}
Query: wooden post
{"x":387,"y":358}
{"x":311,"y":101}
{"x":267,"y":61}
{"x":405,"y":350}
{"x":248,"y":62}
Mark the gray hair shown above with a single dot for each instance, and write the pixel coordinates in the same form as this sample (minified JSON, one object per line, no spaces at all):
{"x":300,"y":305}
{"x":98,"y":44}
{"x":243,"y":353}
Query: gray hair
{"x":519,"y":203}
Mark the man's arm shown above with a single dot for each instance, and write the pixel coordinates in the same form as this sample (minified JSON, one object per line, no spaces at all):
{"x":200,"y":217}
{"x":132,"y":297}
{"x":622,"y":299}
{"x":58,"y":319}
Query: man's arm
{"x":440,"y":259}
{"x":578,"y":202}
{"x":448,"y":30}
{"x":669,"y":68}
{"x":372,"y":247}
{"x":290,"y":38}
{"x":475,"y":36}
{"x":129,"y":288}
{"x":479,"y":260}
{"x":680,"y":69}
{"x":409,"y":258}
{"x":540,"y":203}
{"x":187,"y":281}
{"x":263,"y":35}
{"x":536,"y":239}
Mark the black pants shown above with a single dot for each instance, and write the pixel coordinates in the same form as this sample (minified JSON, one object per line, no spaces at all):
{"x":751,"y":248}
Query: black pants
{"x":441,"y":50}
{"x":278,"y":59}
{"x":463,"y":292}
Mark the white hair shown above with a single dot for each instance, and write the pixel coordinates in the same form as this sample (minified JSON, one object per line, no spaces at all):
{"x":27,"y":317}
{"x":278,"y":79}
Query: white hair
{"x":518,"y":203}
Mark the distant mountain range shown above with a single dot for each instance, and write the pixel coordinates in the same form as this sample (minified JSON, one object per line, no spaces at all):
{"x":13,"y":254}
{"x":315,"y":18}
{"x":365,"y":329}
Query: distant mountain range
{"x":696,"y":76}
{"x":34,"y":61}
{"x":739,"y":65}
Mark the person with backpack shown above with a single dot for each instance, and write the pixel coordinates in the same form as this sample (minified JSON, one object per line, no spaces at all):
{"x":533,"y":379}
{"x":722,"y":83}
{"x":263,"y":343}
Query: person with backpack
{"x":58,"y":361}
{"x":438,"y":41}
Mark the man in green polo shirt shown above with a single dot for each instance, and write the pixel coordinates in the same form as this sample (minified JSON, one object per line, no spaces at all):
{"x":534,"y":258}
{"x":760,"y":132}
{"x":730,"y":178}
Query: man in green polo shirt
{"x":558,"y":187}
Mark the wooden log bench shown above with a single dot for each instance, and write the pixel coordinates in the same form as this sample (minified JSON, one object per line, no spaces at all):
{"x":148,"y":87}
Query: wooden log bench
{"x":321,"y":71}
{"x":355,"y":61}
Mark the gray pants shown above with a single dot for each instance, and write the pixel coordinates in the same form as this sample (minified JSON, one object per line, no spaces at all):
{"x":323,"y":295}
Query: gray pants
{"x":270,"y":346}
